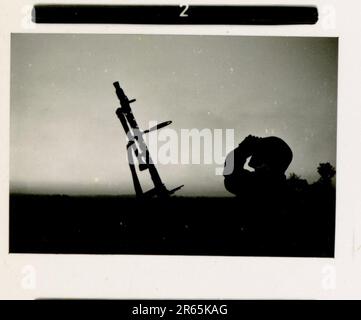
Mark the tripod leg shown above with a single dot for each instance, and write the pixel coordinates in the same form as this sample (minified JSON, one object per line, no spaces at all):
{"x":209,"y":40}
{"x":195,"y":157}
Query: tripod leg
{"x":137,"y":186}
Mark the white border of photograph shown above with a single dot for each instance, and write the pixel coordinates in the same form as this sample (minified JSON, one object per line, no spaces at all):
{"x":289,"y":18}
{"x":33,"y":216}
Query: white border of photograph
{"x":30,"y":276}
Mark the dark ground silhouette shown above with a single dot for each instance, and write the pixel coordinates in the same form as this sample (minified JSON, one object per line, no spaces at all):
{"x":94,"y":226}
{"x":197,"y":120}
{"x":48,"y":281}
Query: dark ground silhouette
{"x":301,"y":225}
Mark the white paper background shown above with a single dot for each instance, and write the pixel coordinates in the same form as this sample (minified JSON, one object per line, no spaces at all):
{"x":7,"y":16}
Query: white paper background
{"x":85,"y":276}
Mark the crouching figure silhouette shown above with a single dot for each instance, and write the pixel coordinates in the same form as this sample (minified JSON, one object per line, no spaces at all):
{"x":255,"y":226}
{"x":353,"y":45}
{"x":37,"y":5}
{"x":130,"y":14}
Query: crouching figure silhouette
{"x":269,"y":157}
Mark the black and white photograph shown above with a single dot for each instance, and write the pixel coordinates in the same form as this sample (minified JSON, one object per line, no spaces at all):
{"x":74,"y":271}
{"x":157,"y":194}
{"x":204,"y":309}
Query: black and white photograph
{"x":200,"y":145}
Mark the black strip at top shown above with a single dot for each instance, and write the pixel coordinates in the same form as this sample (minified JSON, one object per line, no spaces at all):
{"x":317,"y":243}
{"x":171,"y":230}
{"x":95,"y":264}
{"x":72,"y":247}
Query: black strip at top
{"x":175,"y":15}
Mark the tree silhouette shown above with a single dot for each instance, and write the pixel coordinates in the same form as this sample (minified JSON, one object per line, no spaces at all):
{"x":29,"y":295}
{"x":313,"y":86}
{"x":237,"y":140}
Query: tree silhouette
{"x":326,"y":171}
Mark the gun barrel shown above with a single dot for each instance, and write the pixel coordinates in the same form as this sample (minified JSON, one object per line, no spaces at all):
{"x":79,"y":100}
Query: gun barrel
{"x":123,"y":99}
{"x":116,"y":85}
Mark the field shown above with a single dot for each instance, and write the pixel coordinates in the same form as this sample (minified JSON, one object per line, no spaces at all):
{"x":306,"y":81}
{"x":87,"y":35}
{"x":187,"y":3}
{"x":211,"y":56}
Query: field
{"x":177,"y":226}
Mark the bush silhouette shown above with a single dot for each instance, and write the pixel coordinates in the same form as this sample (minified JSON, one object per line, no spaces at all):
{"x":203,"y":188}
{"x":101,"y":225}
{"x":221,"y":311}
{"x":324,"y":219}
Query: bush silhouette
{"x":296,"y":183}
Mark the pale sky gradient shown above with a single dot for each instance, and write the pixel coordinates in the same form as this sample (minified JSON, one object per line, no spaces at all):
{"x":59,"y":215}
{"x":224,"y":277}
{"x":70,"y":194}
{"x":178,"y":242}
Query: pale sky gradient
{"x":65,"y":137}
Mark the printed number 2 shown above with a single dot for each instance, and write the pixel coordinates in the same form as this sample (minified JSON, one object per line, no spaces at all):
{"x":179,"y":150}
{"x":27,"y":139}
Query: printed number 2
{"x":183,"y":13}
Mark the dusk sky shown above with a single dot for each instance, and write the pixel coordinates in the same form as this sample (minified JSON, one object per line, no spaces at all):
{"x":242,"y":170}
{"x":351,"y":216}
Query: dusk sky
{"x":66,"y":138}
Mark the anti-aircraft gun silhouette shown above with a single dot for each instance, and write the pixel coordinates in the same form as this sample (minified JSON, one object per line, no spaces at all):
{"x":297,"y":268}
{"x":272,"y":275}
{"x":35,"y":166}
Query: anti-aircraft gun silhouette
{"x":137,"y":146}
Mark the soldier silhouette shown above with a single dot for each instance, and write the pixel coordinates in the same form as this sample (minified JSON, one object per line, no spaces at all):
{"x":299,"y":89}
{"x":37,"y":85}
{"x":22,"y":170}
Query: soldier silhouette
{"x":269,"y":157}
